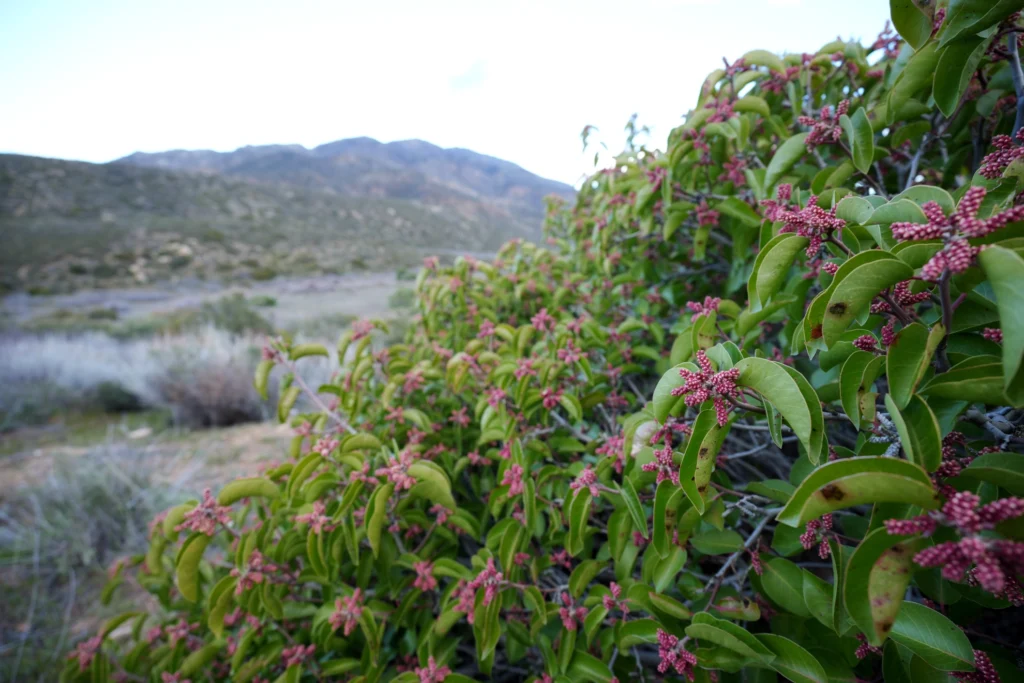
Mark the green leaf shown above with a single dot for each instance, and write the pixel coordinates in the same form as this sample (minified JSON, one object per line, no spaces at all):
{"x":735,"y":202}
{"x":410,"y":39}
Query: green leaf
{"x":668,"y":568}
{"x":877,"y":576}
{"x":793,"y":661}
{"x":933,"y":637}
{"x":1003,"y":469}
{"x":897,"y":211}
{"x":973,"y":380}
{"x":638,"y":632}
{"x":255,"y":487}
{"x":582,"y":575}
{"x":817,"y":597}
{"x":772,"y":265}
{"x":783,"y":581}
{"x":701,"y":427}
{"x":586,"y":667}
{"x":919,"y":431}
{"x":286,"y":402}
{"x":855,"y":378}
{"x":433,"y":483}
{"x":187,"y":565}
{"x":917,"y":76}
{"x":852,"y":296}
{"x":666,"y":500}
{"x":579,"y":515}
{"x":856,"y":481}
{"x":908,"y":358}
{"x":302,"y":350}
{"x":262,"y":376}
{"x":860,"y":138}
{"x":772,"y":381}
{"x":1003,"y":269}
{"x":957,"y":64}
{"x":910,"y":22}
{"x":636,"y":510}
{"x":663,"y":399}
{"x":785,"y":158}
{"x":707,"y":627}
{"x":856,"y":210}
{"x":968,"y":17}
{"x":376,"y":515}
{"x":754,"y":104}
{"x":715,"y":542}
{"x":764,"y":58}
{"x":360,"y":442}
{"x":197,"y":661}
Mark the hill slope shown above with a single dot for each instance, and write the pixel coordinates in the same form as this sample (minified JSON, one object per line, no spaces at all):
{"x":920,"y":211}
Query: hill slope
{"x":71,"y":225}
{"x":364,"y":167}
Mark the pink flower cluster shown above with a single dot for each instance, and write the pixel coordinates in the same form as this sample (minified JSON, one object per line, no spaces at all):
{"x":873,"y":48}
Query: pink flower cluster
{"x":825,"y":130}
{"x":397,"y":472}
{"x":706,"y":215}
{"x":425,"y":580}
{"x":571,"y":354}
{"x":347,"y":611}
{"x":317,"y":520}
{"x":614,"y":601}
{"x":550,"y":397}
{"x":866,"y":342}
{"x":204,"y":517}
{"x":732,"y":171}
{"x":543,"y":321}
{"x":816,"y":533}
{"x":706,"y":384}
{"x":255,"y":572}
{"x":297,"y":654}
{"x":993,"y":334}
{"x":1007,"y":151}
{"x":570,"y":612}
{"x":996,"y":561}
{"x":812,"y":221}
{"x":490,"y":579}
{"x":957,"y":255}
{"x":587,"y":479}
{"x":664,"y":465}
{"x":432,"y":673}
{"x":361,"y":328}
{"x":865,"y":648}
{"x":460,"y":417}
{"x":495,"y":396}
{"x":902,"y":295}
{"x":722,"y":111}
{"x":524,"y":368}
{"x":710,"y":304}
{"x":513,"y":478}
{"x":86,"y":651}
{"x":983,"y":672}
{"x":674,"y":655}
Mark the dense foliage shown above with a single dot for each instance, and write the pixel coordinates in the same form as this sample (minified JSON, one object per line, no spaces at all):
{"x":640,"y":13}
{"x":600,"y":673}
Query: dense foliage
{"x":756,"y":412}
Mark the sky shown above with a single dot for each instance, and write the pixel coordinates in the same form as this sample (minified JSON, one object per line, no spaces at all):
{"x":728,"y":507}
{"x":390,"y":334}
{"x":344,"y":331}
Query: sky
{"x":516,"y":79}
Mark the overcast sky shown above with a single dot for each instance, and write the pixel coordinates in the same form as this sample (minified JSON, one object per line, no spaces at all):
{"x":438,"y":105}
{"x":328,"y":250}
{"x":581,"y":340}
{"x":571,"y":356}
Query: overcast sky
{"x":98,"y":79}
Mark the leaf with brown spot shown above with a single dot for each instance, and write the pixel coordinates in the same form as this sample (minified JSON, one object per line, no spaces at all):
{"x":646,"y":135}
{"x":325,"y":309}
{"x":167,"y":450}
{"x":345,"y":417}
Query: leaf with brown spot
{"x":876,"y":579}
{"x":857,"y":481}
{"x":852,"y":296}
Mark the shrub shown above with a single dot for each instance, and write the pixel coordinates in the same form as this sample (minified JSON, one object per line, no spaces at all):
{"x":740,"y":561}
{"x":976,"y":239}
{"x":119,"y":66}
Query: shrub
{"x":234,"y":314}
{"x":403,"y":297}
{"x":205,"y":380}
{"x":57,"y":541}
{"x":114,"y":398}
{"x":756,"y":413}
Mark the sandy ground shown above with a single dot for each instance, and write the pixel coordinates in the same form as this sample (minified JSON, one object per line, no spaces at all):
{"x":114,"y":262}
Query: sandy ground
{"x":189,"y":460}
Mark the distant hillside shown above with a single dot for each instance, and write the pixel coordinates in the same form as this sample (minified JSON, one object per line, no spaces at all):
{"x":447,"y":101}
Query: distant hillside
{"x":254,"y":213}
{"x":363,"y":167}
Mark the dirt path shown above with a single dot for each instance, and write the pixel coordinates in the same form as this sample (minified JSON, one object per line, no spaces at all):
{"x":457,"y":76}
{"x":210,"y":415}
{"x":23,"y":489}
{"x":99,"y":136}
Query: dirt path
{"x":356,"y":294}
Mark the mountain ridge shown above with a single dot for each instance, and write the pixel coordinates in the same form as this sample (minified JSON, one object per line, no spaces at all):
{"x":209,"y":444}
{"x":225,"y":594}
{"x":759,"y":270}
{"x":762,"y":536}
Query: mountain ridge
{"x":363,"y":166}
